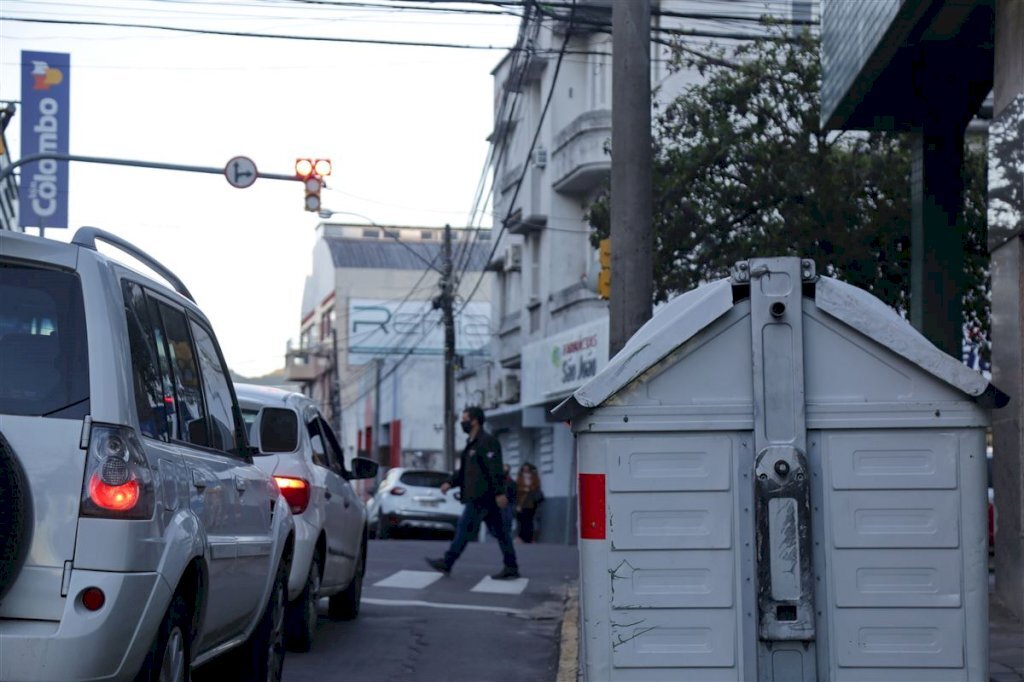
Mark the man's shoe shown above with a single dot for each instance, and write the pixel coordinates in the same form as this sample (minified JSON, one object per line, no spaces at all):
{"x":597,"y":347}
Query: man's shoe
{"x":506,"y":574}
{"x":438,"y":565}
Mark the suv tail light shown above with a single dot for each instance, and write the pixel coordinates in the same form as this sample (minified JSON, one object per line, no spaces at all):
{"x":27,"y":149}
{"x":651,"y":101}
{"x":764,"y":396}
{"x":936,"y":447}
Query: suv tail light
{"x":296,"y":492}
{"x":118,"y":480}
{"x":398,"y":490}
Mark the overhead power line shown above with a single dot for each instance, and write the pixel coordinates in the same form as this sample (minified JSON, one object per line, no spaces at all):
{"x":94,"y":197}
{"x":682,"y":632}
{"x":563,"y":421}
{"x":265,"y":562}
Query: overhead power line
{"x":248,"y":34}
{"x":529,"y":153}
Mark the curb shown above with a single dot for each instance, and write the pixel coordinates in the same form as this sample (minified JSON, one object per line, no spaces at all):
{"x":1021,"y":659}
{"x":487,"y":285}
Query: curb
{"x":568,"y":653}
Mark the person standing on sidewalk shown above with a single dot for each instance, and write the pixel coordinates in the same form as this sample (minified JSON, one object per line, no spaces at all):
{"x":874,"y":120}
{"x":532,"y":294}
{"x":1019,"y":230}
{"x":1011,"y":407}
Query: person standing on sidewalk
{"x":529,"y":497}
{"x":481,"y":476}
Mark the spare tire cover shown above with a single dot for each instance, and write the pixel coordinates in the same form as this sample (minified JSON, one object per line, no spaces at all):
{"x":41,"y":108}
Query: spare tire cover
{"x":16,"y":516}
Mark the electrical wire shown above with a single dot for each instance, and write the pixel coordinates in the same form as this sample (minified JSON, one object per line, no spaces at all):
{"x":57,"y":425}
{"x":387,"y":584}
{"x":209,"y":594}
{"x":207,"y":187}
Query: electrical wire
{"x":509,"y":99}
{"x":529,"y":154}
{"x":249,"y":34}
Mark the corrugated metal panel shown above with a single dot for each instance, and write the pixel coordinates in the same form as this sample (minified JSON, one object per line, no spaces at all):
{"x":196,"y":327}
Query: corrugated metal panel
{"x":386,"y":253}
{"x":850,"y":32}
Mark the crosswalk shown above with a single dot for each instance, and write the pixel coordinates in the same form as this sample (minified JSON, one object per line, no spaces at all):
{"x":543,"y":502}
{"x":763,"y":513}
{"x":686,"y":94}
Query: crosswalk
{"x":420,"y":580}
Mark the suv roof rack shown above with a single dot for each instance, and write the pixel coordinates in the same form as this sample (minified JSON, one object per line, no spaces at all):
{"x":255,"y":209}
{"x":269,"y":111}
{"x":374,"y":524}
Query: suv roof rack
{"x":88,"y":236}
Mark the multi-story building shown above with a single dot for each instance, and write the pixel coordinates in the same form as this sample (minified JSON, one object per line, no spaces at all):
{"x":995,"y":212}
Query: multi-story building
{"x":9,"y":185}
{"x":371,"y":347}
{"x":551,"y":328}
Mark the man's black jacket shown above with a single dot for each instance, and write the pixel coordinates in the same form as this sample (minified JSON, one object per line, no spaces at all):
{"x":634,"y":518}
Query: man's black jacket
{"x":481,"y":475}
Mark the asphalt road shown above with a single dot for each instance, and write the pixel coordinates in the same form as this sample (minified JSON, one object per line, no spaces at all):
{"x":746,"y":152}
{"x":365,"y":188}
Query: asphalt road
{"x":445,"y":631}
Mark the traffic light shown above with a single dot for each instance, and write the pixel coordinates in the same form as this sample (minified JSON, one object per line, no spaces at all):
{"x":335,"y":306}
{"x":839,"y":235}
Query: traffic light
{"x":604,"y":277}
{"x":313,"y":186}
{"x":312,"y":173}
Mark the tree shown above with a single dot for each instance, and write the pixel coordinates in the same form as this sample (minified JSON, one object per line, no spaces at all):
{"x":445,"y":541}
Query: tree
{"x":743,"y":169}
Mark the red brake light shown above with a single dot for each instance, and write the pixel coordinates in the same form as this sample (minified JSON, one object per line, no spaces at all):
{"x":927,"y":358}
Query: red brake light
{"x":119,"y":498}
{"x":118,"y":481}
{"x":398,"y":490}
{"x":296,"y":492}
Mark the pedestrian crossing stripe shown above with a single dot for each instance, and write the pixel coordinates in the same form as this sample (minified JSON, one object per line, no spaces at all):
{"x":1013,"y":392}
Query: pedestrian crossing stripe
{"x":419,"y":580}
{"x":492,"y":586}
{"x":434,"y":605}
{"x":409,"y":580}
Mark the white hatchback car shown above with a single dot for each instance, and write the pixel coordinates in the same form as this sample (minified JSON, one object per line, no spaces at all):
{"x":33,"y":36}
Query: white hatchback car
{"x":137,"y":538}
{"x":295,"y":445}
{"x":412,"y":499}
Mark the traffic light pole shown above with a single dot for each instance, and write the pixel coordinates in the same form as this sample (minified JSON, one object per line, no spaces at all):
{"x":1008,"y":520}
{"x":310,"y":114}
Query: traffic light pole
{"x":447,"y":296}
{"x":9,"y":170}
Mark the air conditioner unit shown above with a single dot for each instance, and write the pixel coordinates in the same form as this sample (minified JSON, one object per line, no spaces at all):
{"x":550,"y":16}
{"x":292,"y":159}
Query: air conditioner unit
{"x":540,"y":157}
{"x":514,"y":258}
{"x":510,"y":391}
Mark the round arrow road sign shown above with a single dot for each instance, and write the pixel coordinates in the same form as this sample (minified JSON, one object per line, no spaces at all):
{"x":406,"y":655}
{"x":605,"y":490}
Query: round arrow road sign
{"x":241,"y":172}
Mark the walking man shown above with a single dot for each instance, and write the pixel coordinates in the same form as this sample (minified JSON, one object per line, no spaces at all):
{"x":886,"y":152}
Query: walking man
{"x":481,"y":477}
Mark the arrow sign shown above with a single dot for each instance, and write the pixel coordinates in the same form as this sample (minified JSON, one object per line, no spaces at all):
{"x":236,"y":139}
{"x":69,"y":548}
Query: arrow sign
{"x":241,"y":172}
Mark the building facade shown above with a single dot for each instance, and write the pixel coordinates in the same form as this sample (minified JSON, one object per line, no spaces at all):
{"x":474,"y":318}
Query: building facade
{"x":550,"y":326}
{"x":371,"y":348}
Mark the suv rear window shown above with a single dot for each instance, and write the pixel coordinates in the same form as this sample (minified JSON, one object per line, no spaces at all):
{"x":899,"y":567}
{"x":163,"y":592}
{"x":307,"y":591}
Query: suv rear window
{"x":424,"y":479}
{"x":44,"y":356}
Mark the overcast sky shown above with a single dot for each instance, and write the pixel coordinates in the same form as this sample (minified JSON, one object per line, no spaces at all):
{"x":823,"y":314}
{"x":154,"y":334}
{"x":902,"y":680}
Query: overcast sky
{"x":405,"y":128}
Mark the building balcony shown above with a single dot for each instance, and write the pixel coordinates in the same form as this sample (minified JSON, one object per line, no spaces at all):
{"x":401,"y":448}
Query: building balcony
{"x":304,"y":365}
{"x":579,"y":162}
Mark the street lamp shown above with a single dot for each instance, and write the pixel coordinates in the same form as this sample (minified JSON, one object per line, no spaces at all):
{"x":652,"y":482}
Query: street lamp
{"x":326,"y":213}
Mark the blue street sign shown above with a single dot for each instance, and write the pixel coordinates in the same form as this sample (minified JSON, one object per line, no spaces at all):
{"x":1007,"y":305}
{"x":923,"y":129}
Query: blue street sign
{"x":45,"y":100}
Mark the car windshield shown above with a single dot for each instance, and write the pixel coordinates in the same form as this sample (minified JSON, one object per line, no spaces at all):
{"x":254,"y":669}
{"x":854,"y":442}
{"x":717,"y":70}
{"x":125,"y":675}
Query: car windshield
{"x":44,"y":357}
{"x":424,"y":479}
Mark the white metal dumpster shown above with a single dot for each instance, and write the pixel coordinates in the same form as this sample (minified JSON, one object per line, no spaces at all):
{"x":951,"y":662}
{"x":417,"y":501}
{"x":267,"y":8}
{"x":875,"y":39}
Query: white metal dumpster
{"x":780,"y":479}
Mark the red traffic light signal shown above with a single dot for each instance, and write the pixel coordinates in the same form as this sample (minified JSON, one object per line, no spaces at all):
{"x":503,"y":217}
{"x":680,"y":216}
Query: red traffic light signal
{"x":312,"y":172}
{"x":305,"y":168}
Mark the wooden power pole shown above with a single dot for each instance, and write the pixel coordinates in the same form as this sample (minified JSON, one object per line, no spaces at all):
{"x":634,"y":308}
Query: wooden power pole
{"x":632,"y":240}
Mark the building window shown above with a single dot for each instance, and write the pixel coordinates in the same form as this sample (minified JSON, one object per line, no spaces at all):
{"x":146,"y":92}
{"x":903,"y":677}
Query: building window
{"x":326,"y":324}
{"x":306,"y":338}
{"x":600,"y":81}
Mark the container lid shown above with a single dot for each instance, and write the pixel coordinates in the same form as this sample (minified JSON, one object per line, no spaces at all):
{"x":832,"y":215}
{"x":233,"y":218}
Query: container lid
{"x":686,"y":315}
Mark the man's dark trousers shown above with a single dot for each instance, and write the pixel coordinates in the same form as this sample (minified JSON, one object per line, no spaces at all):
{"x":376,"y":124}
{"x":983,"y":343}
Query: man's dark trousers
{"x":469,"y":524}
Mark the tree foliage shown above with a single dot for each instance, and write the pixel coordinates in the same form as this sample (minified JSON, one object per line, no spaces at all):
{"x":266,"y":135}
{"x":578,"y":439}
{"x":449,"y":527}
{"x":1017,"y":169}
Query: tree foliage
{"x":743,"y":169}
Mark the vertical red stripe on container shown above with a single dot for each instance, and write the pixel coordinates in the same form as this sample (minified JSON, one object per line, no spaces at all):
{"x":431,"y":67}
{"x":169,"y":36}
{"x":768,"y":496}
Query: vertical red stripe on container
{"x":592,"y":511}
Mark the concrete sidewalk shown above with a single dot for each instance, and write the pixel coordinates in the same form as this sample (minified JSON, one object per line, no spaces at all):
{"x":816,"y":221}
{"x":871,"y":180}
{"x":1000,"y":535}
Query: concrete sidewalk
{"x":1005,"y":643}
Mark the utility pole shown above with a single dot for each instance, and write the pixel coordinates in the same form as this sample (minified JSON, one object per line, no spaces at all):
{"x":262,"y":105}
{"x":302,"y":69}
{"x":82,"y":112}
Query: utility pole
{"x":335,"y":383}
{"x":445,"y":302}
{"x":375,"y":429}
{"x":632,"y":285}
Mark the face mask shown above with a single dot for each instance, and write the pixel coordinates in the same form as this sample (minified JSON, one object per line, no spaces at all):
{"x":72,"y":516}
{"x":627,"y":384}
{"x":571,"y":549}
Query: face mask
{"x":466,"y":426}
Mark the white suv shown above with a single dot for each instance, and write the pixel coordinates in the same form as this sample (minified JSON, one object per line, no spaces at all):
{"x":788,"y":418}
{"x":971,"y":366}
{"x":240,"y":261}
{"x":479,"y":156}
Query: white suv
{"x":138,"y":538}
{"x":298,"y":447}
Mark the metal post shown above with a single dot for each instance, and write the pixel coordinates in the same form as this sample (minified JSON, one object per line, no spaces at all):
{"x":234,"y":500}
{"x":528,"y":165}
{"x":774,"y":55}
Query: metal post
{"x":632,"y":286}
{"x":936,"y":244}
{"x":447,"y":293}
{"x":335,"y":383}
{"x":375,"y":430}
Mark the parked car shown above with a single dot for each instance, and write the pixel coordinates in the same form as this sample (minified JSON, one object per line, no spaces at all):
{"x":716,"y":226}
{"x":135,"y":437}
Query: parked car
{"x":297,"y":446}
{"x":145,"y":541}
{"x":412,"y":499}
